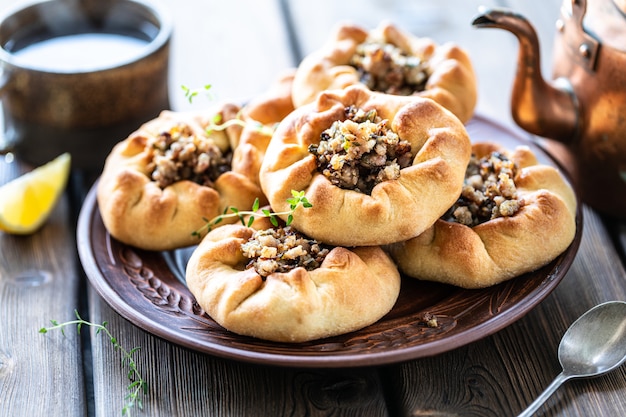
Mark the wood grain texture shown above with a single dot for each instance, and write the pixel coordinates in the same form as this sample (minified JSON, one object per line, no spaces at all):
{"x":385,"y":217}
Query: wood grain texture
{"x":37,"y":271}
{"x":500,"y":375}
{"x":185,"y":383}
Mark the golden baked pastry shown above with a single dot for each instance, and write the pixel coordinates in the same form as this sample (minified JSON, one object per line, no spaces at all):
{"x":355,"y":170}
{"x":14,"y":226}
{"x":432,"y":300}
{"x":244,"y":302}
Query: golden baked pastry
{"x":318,"y":292}
{"x":159,"y":184}
{"x":260,"y":117}
{"x":390,"y":60}
{"x":514,"y":216}
{"x":377,"y":168}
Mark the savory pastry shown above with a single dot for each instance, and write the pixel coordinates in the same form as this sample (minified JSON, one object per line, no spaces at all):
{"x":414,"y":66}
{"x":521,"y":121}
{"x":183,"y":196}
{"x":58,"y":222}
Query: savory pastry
{"x":159,"y":184}
{"x":260,"y":117}
{"x":377,"y":168}
{"x":513,"y":216}
{"x":276,"y":284}
{"x":390,"y":60}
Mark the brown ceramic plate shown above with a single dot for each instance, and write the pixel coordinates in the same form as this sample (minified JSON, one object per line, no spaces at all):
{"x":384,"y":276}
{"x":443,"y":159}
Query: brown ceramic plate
{"x":148,"y":289}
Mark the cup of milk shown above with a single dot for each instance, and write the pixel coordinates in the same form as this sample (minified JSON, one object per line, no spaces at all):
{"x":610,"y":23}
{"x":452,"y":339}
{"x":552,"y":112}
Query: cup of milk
{"x":79,"y":76}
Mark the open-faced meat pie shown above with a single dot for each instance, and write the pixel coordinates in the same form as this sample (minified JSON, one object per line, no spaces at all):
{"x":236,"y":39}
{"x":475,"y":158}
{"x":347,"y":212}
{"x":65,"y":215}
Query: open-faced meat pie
{"x":277,"y":284}
{"x":160,"y":184}
{"x":389,"y":60}
{"x":378,"y":168}
{"x":513,"y":216}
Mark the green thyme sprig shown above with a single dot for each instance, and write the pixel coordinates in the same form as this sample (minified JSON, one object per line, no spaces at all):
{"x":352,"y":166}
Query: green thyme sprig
{"x":297,"y":199}
{"x":191,"y":93}
{"x":216,"y":124}
{"x":137,"y":384}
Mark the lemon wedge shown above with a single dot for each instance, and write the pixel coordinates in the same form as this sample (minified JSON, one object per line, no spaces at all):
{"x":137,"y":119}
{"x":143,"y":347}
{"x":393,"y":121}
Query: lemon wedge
{"x":26,"y":201}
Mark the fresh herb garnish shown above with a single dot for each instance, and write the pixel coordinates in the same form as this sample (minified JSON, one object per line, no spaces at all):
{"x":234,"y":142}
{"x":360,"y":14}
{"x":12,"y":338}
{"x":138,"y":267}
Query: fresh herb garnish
{"x":191,"y":93}
{"x":297,"y":199}
{"x":217,"y":125}
{"x":137,"y":384}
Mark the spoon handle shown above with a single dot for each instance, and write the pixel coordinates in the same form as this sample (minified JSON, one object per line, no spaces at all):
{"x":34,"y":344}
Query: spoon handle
{"x":554,"y":385}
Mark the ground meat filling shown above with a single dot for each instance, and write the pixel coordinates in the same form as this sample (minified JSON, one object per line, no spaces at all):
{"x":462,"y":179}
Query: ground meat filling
{"x":488,"y":191}
{"x":179,"y":154}
{"x":282,"y":250}
{"x":386,"y":68}
{"x":361,"y":151}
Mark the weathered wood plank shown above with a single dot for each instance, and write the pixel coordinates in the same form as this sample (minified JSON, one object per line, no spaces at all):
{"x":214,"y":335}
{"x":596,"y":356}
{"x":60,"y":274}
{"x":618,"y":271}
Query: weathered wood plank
{"x":39,"y":374}
{"x":186,"y":383}
{"x":500,"y":375}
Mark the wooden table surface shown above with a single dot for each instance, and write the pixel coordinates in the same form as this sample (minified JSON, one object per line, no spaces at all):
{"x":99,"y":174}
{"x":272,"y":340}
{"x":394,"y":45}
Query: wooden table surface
{"x":239,"y":47}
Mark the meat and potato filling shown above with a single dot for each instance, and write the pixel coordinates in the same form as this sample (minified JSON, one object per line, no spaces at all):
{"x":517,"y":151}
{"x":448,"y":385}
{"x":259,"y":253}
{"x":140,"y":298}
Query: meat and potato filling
{"x":386,"y":68}
{"x":488,"y":191}
{"x":179,"y":154}
{"x":361,"y":151}
{"x":282,"y":250}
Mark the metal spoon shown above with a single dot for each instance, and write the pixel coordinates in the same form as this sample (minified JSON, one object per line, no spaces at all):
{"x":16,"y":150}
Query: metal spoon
{"x":593,"y":345}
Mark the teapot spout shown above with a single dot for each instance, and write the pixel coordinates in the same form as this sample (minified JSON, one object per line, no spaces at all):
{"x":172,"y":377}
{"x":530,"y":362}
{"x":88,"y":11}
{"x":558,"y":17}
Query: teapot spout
{"x":545,"y":109}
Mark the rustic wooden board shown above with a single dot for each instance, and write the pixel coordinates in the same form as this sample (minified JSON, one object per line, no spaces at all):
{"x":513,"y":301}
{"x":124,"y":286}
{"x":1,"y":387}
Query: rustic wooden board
{"x":186,"y":383}
{"x":502,"y":374}
{"x":39,"y":282}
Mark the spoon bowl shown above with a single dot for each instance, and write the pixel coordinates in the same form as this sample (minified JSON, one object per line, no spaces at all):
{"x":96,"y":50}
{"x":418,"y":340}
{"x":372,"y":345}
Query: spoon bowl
{"x":593,"y":345}
{"x":596,"y":342}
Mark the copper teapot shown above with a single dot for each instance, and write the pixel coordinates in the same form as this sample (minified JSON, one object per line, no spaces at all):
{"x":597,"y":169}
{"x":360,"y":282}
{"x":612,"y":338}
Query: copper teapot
{"x":584,"y":107}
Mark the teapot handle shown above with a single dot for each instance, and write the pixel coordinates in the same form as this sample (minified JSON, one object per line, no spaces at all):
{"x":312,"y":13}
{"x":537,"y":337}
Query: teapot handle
{"x":582,"y":47}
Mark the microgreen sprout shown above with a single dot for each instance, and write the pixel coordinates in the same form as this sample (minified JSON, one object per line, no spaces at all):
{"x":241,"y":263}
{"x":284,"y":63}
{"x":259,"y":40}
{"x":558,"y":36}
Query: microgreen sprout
{"x":217,"y":125}
{"x":137,"y":384}
{"x":297,"y":199}
{"x":191,"y":93}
